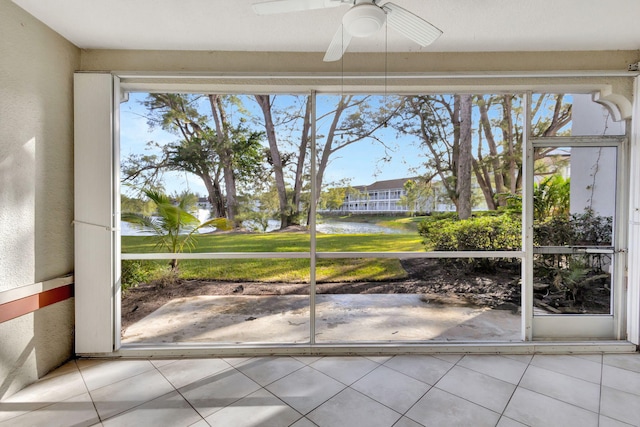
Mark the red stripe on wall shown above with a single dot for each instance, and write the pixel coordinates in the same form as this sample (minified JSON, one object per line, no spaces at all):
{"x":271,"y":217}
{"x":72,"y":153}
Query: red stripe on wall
{"x":22,"y":306}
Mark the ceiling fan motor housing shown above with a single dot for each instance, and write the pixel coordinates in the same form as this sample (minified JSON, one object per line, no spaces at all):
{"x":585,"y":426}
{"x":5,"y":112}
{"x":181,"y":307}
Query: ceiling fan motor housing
{"x":364,"y":19}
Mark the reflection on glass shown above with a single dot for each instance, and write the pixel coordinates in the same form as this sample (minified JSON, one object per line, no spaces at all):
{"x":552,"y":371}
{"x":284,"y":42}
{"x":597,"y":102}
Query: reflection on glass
{"x":418,"y":300}
{"x":572,"y":284}
{"x":574,"y":196}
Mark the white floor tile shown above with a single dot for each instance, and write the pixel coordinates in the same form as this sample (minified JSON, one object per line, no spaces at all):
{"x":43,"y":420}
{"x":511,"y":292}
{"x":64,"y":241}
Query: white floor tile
{"x":537,"y":410}
{"x":265,"y":370}
{"x":620,"y":406}
{"x":201,"y":423}
{"x":523,"y":358}
{"x":102,"y":374}
{"x":379,"y":359}
{"x":76,"y":411}
{"x":307,"y":360}
{"x":347,"y":370}
{"x":235,"y":361}
{"x":303,"y":422}
{"x":213,"y":393}
{"x":42,"y":393}
{"x":424,"y":368}
{"x":406,"y":422}
{"x":129,"y":393}
{"x":478,"y":388}
{"x":610,"y":422}
{"x":569,"y":365}
{"x":439,"y":408}
{"x":170,"y":410}
{"x":66,"y":368}
{"x":259,"y":409}
{"x":596,"y":358}
{"x":502,"y":368}
{"x":305,"y":389}
{"x":391,"y":388}
{"x":621,"y":379}
{"x":162,"y":362}
{"x":562,"y":387}
{"x":187,"y":371}
{"x":353,"y":409}
{"x":630,"y":362}
{"x":451,"y":358}
{"x":508,"y":422}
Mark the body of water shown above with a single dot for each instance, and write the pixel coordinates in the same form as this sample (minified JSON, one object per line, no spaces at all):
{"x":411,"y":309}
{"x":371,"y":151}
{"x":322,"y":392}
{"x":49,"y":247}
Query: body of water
{"x":325,"y":227}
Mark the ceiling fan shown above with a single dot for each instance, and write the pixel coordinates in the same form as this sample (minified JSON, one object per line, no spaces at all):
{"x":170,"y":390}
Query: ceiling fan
{"x":363,"y":19}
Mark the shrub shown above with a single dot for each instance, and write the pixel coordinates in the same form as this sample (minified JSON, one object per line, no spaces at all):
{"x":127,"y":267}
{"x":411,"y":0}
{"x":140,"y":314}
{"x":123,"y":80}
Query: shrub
{"x":586,"y":229}
{"x":486,"y":233}
{"x":136,"y":271}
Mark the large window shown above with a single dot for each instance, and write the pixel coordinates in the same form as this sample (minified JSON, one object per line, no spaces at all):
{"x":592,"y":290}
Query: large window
{"x":362,"y":218}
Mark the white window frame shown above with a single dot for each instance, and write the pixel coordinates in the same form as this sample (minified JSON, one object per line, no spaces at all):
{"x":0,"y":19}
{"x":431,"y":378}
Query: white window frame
{"x":99,"y":334}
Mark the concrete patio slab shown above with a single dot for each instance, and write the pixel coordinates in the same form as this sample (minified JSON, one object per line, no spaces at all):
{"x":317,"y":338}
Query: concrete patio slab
{"x":339,"y":318}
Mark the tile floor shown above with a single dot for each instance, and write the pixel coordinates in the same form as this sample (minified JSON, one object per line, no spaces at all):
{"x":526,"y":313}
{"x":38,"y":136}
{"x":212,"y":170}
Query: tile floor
{"x":400,"y":391}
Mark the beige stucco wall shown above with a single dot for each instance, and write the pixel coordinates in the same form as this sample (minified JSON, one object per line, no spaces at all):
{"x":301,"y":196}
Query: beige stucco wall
{"x":604,"y":72}
{"x":36,"y":189}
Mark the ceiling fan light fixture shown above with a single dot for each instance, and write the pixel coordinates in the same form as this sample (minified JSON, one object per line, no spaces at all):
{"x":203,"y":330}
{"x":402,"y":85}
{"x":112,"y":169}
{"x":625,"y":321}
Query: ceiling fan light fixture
{"x":364,"y":20}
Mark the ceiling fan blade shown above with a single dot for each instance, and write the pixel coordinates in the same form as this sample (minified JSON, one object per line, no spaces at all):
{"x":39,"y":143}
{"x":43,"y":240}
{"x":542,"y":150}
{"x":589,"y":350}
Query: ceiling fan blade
{"x":285,"y":6}
{"x":338,"y":45}
{"x":410,"y":25}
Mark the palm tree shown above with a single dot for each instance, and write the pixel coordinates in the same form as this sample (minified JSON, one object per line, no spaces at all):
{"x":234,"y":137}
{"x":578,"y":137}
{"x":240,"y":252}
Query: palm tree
{"x":173,"y":224}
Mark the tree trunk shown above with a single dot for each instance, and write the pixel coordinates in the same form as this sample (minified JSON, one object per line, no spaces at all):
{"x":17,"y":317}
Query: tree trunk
{"x":463,"y":183}
{"x":226,"y":155}
{"x":302,"y":155}
{"x":214,"y":196}
{"x":265,"y":105}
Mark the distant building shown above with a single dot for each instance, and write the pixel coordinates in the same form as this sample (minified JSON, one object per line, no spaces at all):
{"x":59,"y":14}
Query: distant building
{"x":389,"y":197}
{"x":204,"y":203}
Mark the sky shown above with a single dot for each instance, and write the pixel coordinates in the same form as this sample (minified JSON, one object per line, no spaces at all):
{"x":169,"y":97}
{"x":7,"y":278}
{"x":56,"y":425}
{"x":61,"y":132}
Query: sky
{"x":358,"y":163}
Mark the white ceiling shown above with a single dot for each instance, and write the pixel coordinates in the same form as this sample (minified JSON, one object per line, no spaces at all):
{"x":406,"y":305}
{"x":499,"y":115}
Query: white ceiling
{"x":231,"y":25}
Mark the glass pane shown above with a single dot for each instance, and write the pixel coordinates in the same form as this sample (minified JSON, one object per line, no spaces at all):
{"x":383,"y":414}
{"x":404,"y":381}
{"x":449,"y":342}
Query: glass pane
{"x":418,"y":300}
{"x":557,"y":114}
{"x":216,"y":163}
{"x":572,"y":284}
{"x":574,"y":196}
{"x":216,"y":301}
{"x":405,"y":167}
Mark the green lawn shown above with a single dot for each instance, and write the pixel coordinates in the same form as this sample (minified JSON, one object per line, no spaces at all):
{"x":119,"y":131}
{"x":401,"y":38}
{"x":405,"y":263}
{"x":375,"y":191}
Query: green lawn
{"x":284,"y":269}
{"x":404,"y":223}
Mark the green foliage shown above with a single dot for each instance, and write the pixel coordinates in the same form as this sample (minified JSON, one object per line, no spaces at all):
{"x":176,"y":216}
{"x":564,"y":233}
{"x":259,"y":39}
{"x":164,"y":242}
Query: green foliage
{"x":332,"y":198}
{"x":257,"y":208}
{"x":585,"y":229}
{"x":136,"y":271}
{"x":487,"y":233}
{"x":283,"y":269}
{"x":173,"y":225}
{"x":551,"y":197}
{"x":130,"y":204}
{"x":418,"y":196}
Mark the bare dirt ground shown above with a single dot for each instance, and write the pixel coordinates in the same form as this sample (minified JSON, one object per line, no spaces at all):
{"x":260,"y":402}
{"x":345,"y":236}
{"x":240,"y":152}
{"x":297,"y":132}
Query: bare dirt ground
{"x":438,"y":282}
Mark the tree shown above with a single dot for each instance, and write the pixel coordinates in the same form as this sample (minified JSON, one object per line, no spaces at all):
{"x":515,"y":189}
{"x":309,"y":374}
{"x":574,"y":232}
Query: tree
{"x":264,"y":101}
{"x":173,"y":225}
{"x":463,"y":175}
{"x":260,"y":205}
{"x":496,"y":156}
{"x":333,"y":198}
{"x":418,"y":194}
{"x":222,"y":157}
